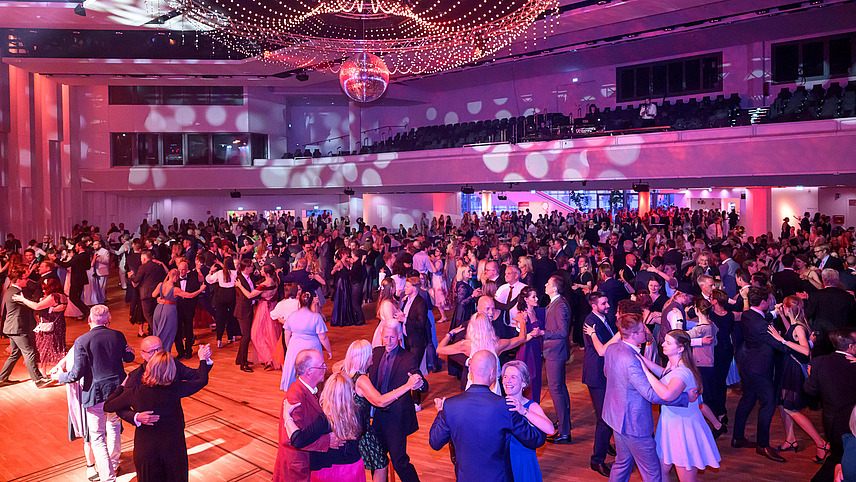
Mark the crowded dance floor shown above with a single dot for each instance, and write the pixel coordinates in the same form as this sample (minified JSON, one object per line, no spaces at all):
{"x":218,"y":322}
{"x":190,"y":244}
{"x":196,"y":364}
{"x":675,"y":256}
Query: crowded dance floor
{"x":233,"y":422}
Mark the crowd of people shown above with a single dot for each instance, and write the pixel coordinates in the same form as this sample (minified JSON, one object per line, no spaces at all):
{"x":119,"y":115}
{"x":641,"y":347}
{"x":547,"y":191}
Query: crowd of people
{"x":669,"y":308}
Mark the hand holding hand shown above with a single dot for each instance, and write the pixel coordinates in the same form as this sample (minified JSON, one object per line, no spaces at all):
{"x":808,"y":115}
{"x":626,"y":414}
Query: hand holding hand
{"x":147,"y":418}
{"x":415,"y":381}
{"x":514,"y":405}
{"x":205,"y":352}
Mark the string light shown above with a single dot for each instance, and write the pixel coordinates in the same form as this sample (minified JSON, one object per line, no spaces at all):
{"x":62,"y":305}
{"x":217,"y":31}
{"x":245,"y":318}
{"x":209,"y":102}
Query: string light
{"x":411,"y":36}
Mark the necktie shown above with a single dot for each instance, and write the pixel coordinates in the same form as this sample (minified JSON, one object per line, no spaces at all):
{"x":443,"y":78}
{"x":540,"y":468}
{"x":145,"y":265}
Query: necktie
{"x":383,"y":371}
{"x":507,"y":301}
{"x":609,"y":328}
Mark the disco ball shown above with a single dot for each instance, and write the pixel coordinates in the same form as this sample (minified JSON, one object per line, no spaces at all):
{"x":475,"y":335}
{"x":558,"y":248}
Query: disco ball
{"x":364,"y":77}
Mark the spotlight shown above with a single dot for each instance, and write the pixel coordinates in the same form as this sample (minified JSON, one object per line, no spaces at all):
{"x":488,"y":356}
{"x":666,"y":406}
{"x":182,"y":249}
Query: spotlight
{"x":302,"y":76}
{"x":640,"y":187}
{"x":349,"y":191}
{"x":502,"y":197}
{"x":235,"y":194}
{"x":79,"y":10}
{"x":467,"y":189}
{"x":584,"y":183}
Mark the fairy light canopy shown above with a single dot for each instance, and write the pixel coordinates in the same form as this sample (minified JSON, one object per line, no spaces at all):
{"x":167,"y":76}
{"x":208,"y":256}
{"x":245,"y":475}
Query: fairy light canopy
{"x":410,"y":36}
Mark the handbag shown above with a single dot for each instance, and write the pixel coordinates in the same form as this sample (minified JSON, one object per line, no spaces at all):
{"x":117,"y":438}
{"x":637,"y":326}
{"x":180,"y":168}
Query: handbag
{"x":44,"y":327}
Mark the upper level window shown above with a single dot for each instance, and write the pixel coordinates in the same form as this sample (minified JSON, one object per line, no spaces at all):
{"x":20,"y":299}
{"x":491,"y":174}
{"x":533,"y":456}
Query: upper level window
{"x":814,"y":59}
{"x":175,"y":95}
{"x":670,"y":78}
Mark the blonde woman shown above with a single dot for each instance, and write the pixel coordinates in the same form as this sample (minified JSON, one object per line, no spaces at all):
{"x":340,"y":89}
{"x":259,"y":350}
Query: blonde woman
{"x":342,"y":464}
{"x":387,"y":311}
{"x":160,"y":452}
{"x":355,"y":366}
{"x":481,"y":336}
{"x":789,"y":394}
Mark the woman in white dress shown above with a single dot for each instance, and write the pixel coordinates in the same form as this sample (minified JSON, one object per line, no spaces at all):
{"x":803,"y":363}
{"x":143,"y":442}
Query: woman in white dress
{"x":683,"y":438}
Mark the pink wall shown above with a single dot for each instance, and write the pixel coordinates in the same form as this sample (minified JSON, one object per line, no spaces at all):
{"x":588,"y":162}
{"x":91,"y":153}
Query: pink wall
{"x":393,"y":209}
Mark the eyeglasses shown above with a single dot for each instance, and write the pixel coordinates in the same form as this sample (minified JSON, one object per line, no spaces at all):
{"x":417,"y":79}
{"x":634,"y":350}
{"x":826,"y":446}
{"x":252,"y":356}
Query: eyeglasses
{"x":152,"y":351}
{"x":322,"y":367}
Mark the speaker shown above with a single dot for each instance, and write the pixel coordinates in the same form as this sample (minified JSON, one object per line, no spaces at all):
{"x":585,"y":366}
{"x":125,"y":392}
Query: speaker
{"x":641,"y":187}
{"x":467,"y":189}
{"x":235,"y":194}
{"x":302,"y":77}
{"x":742,"y":195}
{"x":349,"y":191}
{"x":502,"y":197}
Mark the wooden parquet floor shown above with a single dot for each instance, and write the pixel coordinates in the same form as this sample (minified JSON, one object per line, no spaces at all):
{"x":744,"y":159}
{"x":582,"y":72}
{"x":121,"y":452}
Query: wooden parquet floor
{"x":232,"y":424}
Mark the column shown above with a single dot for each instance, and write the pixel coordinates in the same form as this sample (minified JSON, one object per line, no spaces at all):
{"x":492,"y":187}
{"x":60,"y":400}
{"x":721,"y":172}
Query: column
{"x":354,"y":126}
{"x":756,"y":217}
{"x":644,"y":202}
{"x":487,"y":201}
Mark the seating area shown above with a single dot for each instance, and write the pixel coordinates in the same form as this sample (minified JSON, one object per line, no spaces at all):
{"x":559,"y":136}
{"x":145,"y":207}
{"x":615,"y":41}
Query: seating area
{"x":703,"y":113}
{"x":818,"y":103}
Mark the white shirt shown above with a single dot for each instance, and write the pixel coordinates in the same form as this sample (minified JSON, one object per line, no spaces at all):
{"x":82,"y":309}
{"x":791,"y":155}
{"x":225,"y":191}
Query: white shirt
{"x":675,"y":319}
{"x":284,"y":308}
{"x":314,"y":390}
{"x":217,"y":277}
{"x":635,"y":348}
{"x":102,"y":260}
{"x":502,"y":296}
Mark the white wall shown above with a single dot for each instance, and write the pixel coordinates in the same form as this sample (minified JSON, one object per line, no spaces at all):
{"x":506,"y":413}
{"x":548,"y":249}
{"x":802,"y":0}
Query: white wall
{"x":835,"y":201}
{"x":792,"y":203}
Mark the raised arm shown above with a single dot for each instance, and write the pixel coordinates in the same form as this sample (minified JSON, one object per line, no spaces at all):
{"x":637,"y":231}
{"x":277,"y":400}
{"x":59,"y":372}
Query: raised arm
{"x":383,"y":400}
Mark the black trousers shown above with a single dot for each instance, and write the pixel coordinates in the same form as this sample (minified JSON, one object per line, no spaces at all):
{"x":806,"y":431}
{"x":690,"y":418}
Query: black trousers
{"x":756,"y":388}
{"x":559,"y":393}
{"x":246,"y":324}
{"x":714,"y":397}
{"x":602,"y":431}
{"x":184,"y":336}
{"x":149,"y":305}
{"x":395,"y":441}
{"x":224,"y":306}
{"x":75,"y":294}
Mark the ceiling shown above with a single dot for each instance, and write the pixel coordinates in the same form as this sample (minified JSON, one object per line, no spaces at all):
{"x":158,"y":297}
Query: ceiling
{"x":580,"y":25}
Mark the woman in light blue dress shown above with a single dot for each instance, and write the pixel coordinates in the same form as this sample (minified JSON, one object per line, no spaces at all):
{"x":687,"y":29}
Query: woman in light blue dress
{"x":524,"y":462}
{"x":303,"y":329}
{"x":683,"y":438}
{"x":165,"y":318}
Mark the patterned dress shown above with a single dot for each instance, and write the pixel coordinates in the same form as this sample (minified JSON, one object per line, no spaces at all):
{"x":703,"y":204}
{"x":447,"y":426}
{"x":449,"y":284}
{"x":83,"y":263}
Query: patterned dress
{"x":374,"y":455}
{"x":50,"y":345}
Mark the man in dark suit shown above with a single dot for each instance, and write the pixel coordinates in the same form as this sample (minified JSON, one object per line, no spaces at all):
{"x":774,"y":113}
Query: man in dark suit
{"x":833,"y":378}
{"x":787,"y":281}
{"x":673,"y":255}
{"x":557,"y":352}
{"x":595,"y":379}
{"x":188,"y":281}
{"x":148,"y":275}
{"x":244,"y":311}
{"x":825,"y":260}
{"x":18,"y":324}
{"x":77,"y":266}
{"x":542,"y":268}
{"x":829,"y":309}
{"x":391,"y":367}
{"x":615,"y":290}
{"x":292,"y":463}
{"x":301,"y":276}
{"x":479,"y":425}
{"x":756,"y":358}
{"x":416,"y":327}
{"x":98,"y":357}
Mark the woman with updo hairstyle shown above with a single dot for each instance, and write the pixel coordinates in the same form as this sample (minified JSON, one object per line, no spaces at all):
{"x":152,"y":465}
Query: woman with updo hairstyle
{"x":302,"y":330}
{"x":387,"y":311}
{"x":160,"y":450}
{"x":530,"y":353}
{"x":343,"y":307}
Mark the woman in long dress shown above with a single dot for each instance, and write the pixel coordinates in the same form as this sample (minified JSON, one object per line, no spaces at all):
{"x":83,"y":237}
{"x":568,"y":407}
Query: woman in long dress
{"x":165,"y":318}
{"x":515,"y":379}
{"x":683,"y":438}
{"x":50,"y":333}
{"x":265,"y":332}
{"x":439,"y":289}
{"x":303,"y":329}
{"x":160,"y":450}
{"x":343,"y":307}
{"x":531,"y":351}
{"x":387,"y":311}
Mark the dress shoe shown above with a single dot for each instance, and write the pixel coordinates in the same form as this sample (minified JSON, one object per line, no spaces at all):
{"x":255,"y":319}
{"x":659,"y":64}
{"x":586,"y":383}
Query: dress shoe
{"x":742,"y":444}
{"x":560,"y":440}
{"x":8,"y":383}
{"x":610,"y":450}
{"x":718,"y":432}
{"x":245,"y":368}
{"x":770,"y":453}
{"x":601,"y":469}
{"x":44,"y":382}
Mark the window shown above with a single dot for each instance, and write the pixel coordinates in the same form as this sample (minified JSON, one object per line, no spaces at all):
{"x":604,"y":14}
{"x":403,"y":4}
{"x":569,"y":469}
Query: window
{"x":174,"y":95}
{"x":193,"y":149}
{"x":813,"y":59}
{"x":690,"y":75}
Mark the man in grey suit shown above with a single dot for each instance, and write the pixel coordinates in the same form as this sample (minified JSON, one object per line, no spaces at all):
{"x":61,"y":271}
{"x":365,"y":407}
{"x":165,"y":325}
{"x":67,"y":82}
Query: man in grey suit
{"x":18,"y":324}
{"x":627,"y":408}
{"x":557,"y":351}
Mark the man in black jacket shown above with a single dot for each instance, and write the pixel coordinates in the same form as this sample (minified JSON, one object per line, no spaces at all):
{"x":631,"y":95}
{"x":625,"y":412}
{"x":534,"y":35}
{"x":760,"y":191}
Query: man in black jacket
{"x":148,"y":275}
{"x":391,"y":367}
{"x":829,"y":309}
{"x":189,"y":281}
{"x":18,"y":324}
{"x":833,"y":378}
{"x":77,"y":266}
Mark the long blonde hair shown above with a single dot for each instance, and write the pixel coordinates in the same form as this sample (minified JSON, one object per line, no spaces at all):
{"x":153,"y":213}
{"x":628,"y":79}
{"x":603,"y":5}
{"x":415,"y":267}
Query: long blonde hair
{"x":793,"y":305}
{"x":337,"y":402}
{"x":357,"y":358}
{"x":481,"y":335}
{"x":160,"y":369}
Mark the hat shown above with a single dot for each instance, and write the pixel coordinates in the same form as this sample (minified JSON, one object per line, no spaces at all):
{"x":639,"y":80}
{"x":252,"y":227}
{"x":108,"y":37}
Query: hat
{"x":685,"y":287}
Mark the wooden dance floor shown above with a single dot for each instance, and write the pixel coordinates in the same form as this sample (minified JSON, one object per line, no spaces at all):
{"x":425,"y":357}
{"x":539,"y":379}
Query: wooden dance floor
{"x":232,"y":424}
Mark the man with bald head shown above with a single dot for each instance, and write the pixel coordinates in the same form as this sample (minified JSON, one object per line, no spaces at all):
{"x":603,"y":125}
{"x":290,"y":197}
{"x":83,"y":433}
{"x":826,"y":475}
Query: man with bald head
{"x":479,"y":423}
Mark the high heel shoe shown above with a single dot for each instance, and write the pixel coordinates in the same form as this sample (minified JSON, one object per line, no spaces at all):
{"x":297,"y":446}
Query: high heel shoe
{"x":219,"y":344}
{"x":787,"y":446}
{"x":821,"y":460}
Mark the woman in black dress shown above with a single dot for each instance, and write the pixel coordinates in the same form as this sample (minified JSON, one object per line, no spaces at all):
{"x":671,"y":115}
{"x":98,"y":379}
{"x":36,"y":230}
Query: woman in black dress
{"x":343,"y":308}
{"x":160,"y":451}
